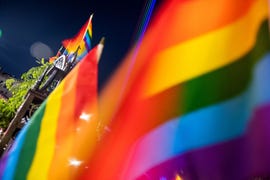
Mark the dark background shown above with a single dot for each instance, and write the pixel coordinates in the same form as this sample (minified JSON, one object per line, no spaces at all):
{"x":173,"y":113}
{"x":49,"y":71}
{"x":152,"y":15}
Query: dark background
{"x":43,"y":25}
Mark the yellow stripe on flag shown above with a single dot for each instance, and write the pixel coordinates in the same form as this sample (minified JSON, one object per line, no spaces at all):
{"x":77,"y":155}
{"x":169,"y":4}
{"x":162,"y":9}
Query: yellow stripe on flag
{"x":46,"y":141}
{"x":206,"y":53}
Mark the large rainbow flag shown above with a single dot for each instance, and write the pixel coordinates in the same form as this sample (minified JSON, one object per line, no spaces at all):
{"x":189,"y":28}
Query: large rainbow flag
{"x":194,"y":102}
{"x":61,"y":132}
{"x":82,"y":41}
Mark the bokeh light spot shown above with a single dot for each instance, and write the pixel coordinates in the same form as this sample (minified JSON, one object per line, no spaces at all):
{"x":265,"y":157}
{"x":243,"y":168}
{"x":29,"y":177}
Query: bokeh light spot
{"x":40,"y":50}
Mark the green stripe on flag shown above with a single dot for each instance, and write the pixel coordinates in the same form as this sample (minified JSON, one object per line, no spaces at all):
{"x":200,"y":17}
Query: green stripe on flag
{"x":226,"y":82}
{"x":30,"y":142}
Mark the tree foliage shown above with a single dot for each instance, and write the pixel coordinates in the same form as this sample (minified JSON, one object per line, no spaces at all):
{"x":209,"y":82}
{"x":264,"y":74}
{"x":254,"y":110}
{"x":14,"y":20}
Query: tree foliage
{"x":19,"y":89}
{"x":6,"y":113}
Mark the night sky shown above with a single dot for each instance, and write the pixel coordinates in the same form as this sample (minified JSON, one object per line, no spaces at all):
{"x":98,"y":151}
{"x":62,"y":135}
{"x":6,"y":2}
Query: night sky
{"x":39,"y":23}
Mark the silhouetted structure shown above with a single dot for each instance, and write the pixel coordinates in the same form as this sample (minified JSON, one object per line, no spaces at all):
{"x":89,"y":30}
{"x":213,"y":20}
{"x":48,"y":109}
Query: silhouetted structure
{"x":46,"y":83}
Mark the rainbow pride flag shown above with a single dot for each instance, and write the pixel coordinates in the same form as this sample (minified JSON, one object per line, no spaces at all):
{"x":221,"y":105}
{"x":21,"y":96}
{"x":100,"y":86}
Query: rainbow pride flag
{"x":82,"y":41}
{"x":192,"y":101}
{"x":58,"y":137}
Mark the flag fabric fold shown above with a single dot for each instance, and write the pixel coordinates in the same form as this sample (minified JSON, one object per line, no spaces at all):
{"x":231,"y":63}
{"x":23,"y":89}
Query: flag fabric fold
{"x":53,"y":143}
{"x":195,"y":97}
{"x":190,"y":101}
{"x":52,"y":59}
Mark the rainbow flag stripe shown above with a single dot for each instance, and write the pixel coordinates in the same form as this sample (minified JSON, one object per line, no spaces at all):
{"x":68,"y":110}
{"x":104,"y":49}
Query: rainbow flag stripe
{"x":82,"y":39}
{"x":53,"y":143}
{"x":196,"y":103}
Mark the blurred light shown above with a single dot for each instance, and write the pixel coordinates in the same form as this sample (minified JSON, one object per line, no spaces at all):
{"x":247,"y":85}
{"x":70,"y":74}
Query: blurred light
{"x":178,"y":177}
{"x":40,"y":50}
{"x":85,"y":117}
{"x":74,"y":162}
{"x":0,"y":33}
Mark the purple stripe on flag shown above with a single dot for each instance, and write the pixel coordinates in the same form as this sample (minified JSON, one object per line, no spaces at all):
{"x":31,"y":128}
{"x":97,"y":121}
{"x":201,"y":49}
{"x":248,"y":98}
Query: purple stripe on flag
{"x":247,"y":157}
{"x":87,"y":41}
{"x":10,"y":160}
{"x":3,"y":163}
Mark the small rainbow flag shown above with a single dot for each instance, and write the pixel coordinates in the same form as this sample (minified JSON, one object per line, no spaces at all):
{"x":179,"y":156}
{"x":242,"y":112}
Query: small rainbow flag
{"x":52,"y":59}
{"x":58,"y":137}
{"x":82,"y":41}
{"x":196,"y":103}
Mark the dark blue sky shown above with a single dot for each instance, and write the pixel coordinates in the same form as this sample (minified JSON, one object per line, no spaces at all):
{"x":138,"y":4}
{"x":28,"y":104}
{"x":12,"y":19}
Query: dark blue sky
{"x":25,"y":22}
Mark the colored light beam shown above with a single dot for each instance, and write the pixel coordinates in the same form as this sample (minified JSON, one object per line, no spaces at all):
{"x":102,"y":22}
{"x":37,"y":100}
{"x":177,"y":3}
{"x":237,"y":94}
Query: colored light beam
{"x":141,"y":31}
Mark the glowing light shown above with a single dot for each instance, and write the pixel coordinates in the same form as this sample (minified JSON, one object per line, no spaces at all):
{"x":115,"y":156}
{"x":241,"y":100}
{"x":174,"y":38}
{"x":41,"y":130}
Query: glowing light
{"x":142,"y":29}
{"x":86,"y":117}
{"x":177,"y":177}
{"x":74,"y":162}
{"x":0,"y":32}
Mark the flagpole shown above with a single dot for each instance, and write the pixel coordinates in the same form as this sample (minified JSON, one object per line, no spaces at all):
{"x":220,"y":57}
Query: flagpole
{"x":100,"y":48}
{"x":88,"y":24}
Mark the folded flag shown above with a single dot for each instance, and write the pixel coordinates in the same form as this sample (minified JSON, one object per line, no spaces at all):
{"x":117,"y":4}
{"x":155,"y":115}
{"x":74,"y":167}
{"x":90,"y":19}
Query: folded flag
{"x":60,"y":134}
{"x":52,"y":59}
